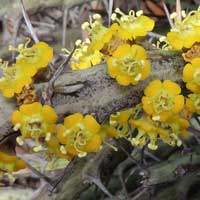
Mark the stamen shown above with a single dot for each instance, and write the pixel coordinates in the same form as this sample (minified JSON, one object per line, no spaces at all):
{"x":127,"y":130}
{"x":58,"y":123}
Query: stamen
{"x":48,"y":136}
{"x":20,"y":141}
{"x":17,"y":127}
{"x":111,"y":146}
{"x":114,"y":16}
{"x":156,"y":118}
{"x":139,"y":13}
{"x":78,"y":42}
{"x":63,"y":150}
{"x":96,"y":16}
{"x":173,"y":15}
{"x":38,"y":148}
{"x":85,"y":26}
{"x":138,"y":77}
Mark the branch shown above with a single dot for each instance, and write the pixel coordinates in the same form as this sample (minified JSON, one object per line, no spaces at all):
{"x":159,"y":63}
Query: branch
{"x":93,"y":91}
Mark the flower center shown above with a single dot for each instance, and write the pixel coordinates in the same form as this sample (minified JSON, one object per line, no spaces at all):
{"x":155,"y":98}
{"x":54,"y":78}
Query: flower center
{"x":129,"y":66}
{"x":163,"y":102}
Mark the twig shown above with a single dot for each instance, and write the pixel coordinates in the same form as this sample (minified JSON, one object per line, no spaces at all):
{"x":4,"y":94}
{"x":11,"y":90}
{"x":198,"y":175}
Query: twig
{"x":110,"y":7}
{"x":152,"y":156}
{"x":64,"y":26}
{"x":178,"y":9}
{"x":168,"y":15}
{"x":55,"y":76}
{"x":28,"y":22}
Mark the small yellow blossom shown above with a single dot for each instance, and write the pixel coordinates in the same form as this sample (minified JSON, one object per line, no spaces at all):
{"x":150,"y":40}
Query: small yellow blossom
{"x":129,"y":64}
{"x":193,"y":103}
{"x":168,"y":131}
{"x":132,"y":25}
{"x":14,"y":78}
{"x":83,"y":58}
{"x":36,"y":57}
{"x":79,"y":135}
{"x":191,"y":75}
{"x":99,"y":34}
{"x":119,"y":124}
{"x":10,"y":163}
{"x":162,"y":100}
{"x":34,"y":121}
{"x":185,"y":32}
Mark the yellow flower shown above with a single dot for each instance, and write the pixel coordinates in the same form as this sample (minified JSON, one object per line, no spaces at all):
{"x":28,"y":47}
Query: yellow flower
{"x":79,"y":135}
{"x":129,"y":64}
{"x":10,"y":163}
{"x":34,"y":121}
{"x":184,"y":33}
{"x":14,"y":79}
{"x":119,"y":124}
{"x":132,"y":25}
{"x":191,"y":75}
{"x":168,"y":131}
{"x":82,"y":58}
{"x":162,"y":100}
{"x":98,"y":33}
{"x":193,"y":103}
{"x":36,"y":57}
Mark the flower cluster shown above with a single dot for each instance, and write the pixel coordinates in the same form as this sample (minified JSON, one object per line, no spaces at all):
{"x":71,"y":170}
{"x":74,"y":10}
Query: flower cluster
{"x":168,"y":131}
{"x":185,"y":32}
{"x":127,"y":61}
{"x":28,"y":62}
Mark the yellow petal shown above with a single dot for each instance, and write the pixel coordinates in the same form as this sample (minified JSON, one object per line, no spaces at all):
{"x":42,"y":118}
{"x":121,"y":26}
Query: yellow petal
{"x":122,"y":50}
{"x":146,"y":70}
{"x":164,"y":116}
{"x":188,"y":73}
{"x":196,"y":62}
{"x":171,"y":87}
{"x":49,"y":114}
{"x":30,"y":109}
{"x":153,"y":88}
{"x":91,"y":124}
{"x":193,"y":87}
{"x":16,"y":117}
{"x":147,"y":106}
{"x":123,"y":80}
{"x":72,"y":120}
{"x":138,"y":52}
{"x":190,"y":105}
{"x":124,"y":116}
{"x":178,"y":104}
{"x":62,"y":138}
{"x":8,"y":92}
{"x":94,"y":144}
{"x":112,"y":70}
